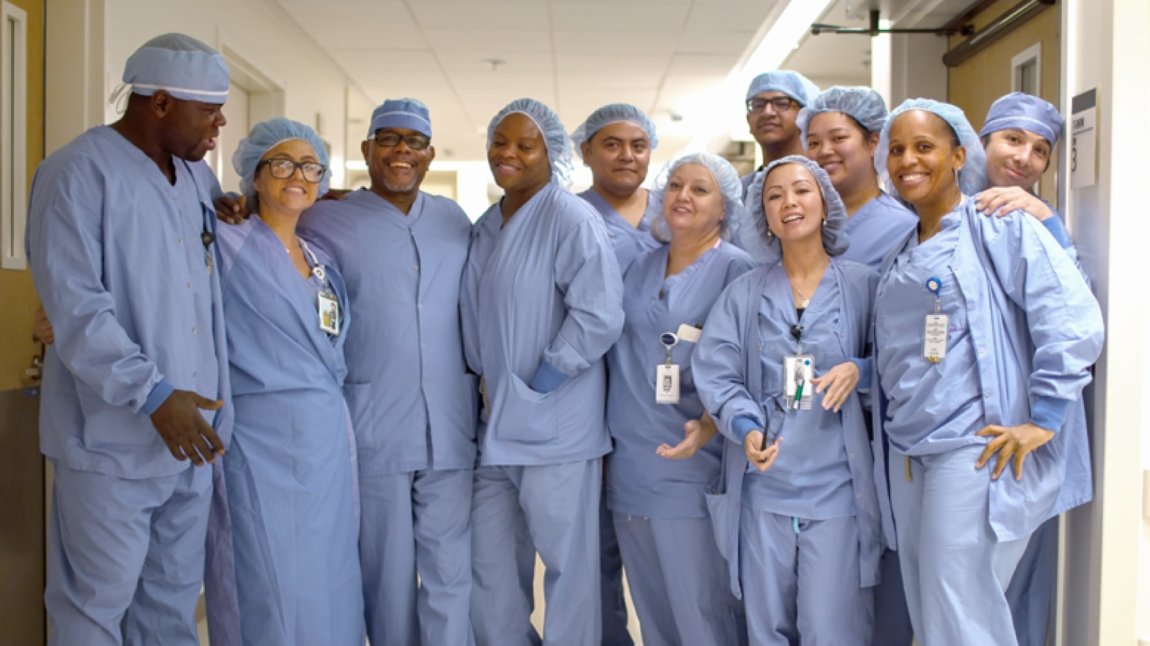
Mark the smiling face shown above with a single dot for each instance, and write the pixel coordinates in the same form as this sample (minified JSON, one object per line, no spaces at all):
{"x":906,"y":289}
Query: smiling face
{"x":843,"y":149}
{"x":693,"y":203}
{"x":1016,"y":157}
{"x":924,"y":160}
{"x":619,"y":155}
{"x":291,"y":195}
{"x":517,"y":155}
{"x":793,"y":203}
{"x":399,"y":169}
{"x":773,"y":127}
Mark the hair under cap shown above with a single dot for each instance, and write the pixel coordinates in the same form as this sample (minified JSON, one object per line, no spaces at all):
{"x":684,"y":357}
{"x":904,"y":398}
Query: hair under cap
{"x":789,"y":82}
{"x":834,"y":226}
{"x":1025,"y":112}
{"x":410,"y":114}
{"x":862,"y":104}
{"x":180,"y":65}
{"x":613,"y":113}
{"x":554,"y":135}
{"x":972,"y":177}
{"x":265,"y":136}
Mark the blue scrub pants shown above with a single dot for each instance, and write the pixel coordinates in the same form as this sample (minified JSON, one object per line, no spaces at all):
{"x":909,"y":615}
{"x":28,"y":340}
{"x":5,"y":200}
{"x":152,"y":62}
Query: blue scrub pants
{"x":126,"y":557}
{"x":953,"y":568}
{"x":678,"y":581}
{"x":1031,"y":590}
{"x":554,"y":509}
{"x":802,"y":586}
{"x":614,"y":609}
{"x":416,"y":523}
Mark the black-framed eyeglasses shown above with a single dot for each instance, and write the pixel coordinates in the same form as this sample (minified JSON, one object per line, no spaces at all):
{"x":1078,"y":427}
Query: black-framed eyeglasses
{"x":779,"y":103}
{"x":391,"y":140}
{"x":283,"y":168}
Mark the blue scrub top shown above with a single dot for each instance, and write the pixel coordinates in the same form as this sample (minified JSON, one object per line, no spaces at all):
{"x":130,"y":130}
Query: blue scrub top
{"x":628,"y":242}
{"x":542,"y":293}
{"x":413,"y":404}
{"x":875,"y":229}
{"x":639,"y":481}
{"x":118,"y":260}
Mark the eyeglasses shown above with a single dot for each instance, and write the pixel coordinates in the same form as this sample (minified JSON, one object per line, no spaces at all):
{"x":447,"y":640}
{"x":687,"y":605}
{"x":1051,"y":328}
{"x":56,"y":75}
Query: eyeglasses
{"x":391,"y":140}
{"x":779,"y":103}
{"x":283,"y":168}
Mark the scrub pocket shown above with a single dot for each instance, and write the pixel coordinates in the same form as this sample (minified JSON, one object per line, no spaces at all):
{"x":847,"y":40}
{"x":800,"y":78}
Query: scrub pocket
{"x":522,"y":414}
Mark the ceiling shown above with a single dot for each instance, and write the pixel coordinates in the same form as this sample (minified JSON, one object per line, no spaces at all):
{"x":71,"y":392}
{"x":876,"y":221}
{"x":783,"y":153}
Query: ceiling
{"x":466,"y":59}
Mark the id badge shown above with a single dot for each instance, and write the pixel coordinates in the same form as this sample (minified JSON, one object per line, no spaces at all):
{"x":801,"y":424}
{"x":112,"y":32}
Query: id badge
{"x":797,"y":373}
{"x":667,"y":383}
{"x":329,"y":313}
{"x":689,"y":333}
{"x":934,"y":337}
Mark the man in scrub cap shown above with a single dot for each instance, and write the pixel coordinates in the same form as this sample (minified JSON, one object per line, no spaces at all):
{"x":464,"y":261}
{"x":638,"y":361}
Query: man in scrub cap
{"x":135,"y":399}
{"x":413,"y":405}
{"x":773,"y":103}
{"x":1019,"y":136}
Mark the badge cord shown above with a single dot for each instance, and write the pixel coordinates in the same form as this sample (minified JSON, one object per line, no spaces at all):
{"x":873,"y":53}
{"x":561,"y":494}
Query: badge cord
{"x":797,"y":333}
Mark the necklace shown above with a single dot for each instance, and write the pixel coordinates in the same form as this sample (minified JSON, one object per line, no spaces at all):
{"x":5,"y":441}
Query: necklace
{"x":804,"y":301}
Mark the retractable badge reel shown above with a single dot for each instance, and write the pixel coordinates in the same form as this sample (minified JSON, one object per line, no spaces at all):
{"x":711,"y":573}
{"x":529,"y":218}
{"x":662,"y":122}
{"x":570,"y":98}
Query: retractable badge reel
{"x":798,"y":370}
{"x":667,"y":373}
{"x":934,"y":333}
{"x":327,"y":301}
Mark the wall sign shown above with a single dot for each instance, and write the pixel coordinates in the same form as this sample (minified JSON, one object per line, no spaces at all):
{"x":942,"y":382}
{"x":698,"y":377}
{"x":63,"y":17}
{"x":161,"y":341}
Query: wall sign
{"x":1083,"y":138}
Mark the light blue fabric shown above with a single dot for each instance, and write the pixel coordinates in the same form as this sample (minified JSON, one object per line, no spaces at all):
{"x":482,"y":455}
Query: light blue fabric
{"x":613,"y":113}
{"x":1036,"y":329}
{"x":1026,"y":112}
{"x":125,"y":557}
{"x":289,"y":473}
{"x":515,"y":510}
{"x":1031,"y":590}
{"x":750,"y":231}
{"x":860,"y":103}
{"x":406,"y":113}
{"x":559,"y":147}
{"x":678,"y":582}
{"x":613,"y":605}
{"x":728,"y":367}
{"x":117,"y":258}
{"x":790,"y":83}
{"x":876,"y":228}
{"x":180,"y":65}
{"x":627,"y":241}
{"x":800,"y":586}
{"x":413,"y":405}
{"x":725,"y":176}
{"x":972,"y":176}
{"x":542,"y":289}
{"x":639,"y":482}
{"x":417,"y":524}
{"x":953,"y":565}
{"x":267,"y":135}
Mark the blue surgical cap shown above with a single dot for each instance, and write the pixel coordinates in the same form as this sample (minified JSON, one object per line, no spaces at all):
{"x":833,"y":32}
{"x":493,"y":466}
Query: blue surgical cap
{"x":725,"y":176}
{"x":410,"y":114}
{"x":613,"y":113}
{"x":181,"y":66}
{"x":862,"y":104}
{"x":792,"y":84}
{"x":833,"y":228}
{"x":1026,"y":112}
{"x":554,"y":135}
{"x":265,"y":136}
{"x":972,"y":177}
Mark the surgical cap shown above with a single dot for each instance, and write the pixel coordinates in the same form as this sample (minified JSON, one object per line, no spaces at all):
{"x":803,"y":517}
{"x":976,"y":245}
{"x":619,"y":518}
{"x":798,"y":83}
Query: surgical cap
{"x":862,"y":104}
{"x":834,"y":227}
{"x":181,"y":66}
{"x":554,"y":135}
{"x":1026,"y":112}
{"x":265,"y":136}
{"x":410,"y":114}
{"x":792,"y":84}
{"x":613,"y":113}
{"x":725,"y":176}
{"x":972,"y":177}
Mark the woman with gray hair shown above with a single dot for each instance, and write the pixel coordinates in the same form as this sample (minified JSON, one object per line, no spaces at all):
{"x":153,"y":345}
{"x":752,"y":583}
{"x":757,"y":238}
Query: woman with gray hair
{"x":664,"y":459}
{"x":778,"y":365}
{"x":284,"y":566}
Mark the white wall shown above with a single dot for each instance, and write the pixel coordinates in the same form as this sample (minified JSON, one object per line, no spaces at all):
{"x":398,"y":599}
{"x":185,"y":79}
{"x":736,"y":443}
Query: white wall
{"x":1105,"y":584}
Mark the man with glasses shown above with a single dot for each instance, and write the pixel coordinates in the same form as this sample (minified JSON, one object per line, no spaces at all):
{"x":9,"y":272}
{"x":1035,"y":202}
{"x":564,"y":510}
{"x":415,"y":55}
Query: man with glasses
{"x":122,"y":248}
{"x":413,"y":406}
{"x":773,"y":103}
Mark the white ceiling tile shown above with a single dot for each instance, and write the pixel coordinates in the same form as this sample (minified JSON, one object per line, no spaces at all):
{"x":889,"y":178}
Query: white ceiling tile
{"x":526,"y":40}
{"x":615,"y":42}
{"x":597,"y":82}
{"x":607,"y":63}
{"x":356,"y":23}
{"x":727,"y":43}
{"x":629,"y":16}
{"x":695,"y":65}
{"x":481,"y":15}
{"x":508,"y":62}
{"x":365,"y":64}
{"x":729,"y":16}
